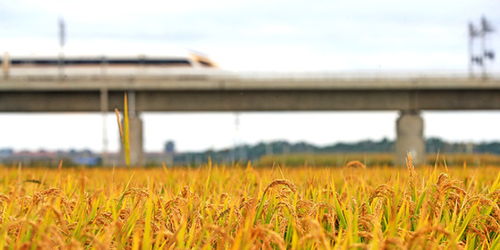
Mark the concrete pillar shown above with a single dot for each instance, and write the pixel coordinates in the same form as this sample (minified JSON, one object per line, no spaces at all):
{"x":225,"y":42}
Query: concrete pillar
{"x":136,"y":142}
{"x":104,"y":113}
{"x":410,"y":137}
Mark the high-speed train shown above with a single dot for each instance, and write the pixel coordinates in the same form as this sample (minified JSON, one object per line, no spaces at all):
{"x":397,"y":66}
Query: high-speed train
{"x":126,"y":63}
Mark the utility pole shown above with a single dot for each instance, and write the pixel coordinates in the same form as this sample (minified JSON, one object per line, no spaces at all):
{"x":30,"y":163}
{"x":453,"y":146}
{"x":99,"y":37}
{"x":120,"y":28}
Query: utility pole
{"x":486,"y":28}
{"x":62,"y":42}
{"x":236,"y":152}
{"x":473,"y":32}
{"x":484,"y":53}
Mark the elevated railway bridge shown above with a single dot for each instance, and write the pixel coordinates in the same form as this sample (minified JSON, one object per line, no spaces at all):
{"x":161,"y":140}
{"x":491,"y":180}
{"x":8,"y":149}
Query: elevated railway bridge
{"x":213,"y":90}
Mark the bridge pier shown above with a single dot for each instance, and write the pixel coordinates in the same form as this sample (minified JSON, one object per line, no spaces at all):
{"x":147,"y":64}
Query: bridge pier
{"x":136,"y":142}
{"x":135,"y":134}
{"x":410,"y":137}
{"x":104,"y":101}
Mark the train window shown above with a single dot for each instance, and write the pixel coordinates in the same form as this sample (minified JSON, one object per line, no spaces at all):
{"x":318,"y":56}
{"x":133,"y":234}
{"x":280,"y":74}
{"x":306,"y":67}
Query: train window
{"x":109,"y":61}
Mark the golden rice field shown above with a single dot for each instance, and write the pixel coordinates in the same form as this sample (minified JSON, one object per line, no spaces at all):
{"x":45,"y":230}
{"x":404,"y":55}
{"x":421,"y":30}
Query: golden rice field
{"x":376,"y":159}
{"x":233,"y":207}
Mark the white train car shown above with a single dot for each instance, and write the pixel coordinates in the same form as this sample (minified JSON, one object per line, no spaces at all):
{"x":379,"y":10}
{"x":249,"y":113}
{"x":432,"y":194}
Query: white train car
{"x":111,"y":63}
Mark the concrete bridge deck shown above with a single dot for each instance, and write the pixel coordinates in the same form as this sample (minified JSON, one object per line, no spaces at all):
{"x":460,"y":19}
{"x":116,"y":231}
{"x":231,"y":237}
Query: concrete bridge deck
{"x":176,"y":82}
{"x":232,"y":93}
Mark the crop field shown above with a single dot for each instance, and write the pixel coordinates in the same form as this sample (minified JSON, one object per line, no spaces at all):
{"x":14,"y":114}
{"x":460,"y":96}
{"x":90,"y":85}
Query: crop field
{"x":243,"y":207}
{"x":376,"y":159}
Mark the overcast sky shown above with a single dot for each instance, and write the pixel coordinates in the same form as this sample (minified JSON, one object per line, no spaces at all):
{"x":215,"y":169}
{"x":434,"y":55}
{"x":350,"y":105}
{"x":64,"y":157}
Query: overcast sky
{"x":255,"y":35}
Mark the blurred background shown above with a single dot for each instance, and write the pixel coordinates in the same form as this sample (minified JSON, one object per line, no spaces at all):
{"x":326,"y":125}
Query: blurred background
{"x":255,"y":37}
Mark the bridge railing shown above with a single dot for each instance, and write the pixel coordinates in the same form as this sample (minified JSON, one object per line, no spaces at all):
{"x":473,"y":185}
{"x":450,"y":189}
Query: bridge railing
{"x":192,"y":73}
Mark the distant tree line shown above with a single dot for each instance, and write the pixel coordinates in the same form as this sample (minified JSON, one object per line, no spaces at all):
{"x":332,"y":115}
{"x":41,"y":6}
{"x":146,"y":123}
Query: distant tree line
{"x":245,"y":153}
